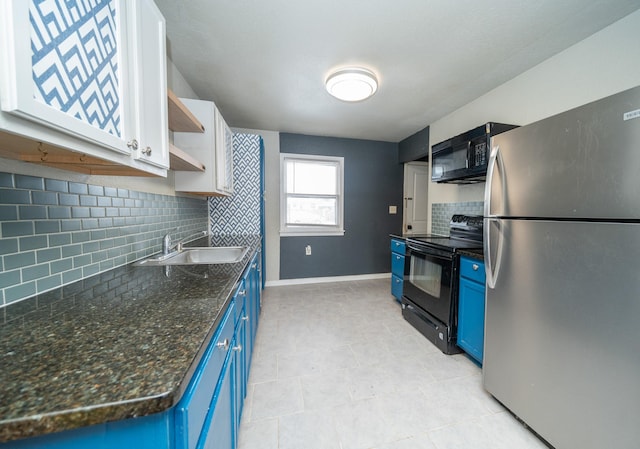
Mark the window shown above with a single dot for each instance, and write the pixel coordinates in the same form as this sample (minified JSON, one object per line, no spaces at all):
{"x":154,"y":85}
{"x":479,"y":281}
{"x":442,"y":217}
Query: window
{"x":311,"y":200}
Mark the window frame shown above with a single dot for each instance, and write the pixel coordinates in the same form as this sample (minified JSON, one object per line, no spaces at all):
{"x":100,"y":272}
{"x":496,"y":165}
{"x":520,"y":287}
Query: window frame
{"x":317,"y":230}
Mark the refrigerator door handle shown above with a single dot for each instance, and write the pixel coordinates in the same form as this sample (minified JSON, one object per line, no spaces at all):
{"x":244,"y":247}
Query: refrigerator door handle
{"x":495,"y":161}
{"x":493,"y":266}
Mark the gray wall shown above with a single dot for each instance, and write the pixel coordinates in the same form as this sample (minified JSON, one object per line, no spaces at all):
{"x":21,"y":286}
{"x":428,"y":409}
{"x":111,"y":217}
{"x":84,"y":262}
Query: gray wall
{"x":415,"y":147}
{"x":373,"y":182}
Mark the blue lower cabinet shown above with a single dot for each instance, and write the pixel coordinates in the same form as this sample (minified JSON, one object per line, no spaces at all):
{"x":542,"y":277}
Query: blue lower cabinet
{"x":208,"y":414}
{"x":239,"y":377}
{"x":398,"y":250}
{"x":471,"y":304}
{"x":218,"y":432}
{"x":146,"y":432}
{"x":191,"y":411}
{"x":253,"y":287}
{"x":396,"y":287}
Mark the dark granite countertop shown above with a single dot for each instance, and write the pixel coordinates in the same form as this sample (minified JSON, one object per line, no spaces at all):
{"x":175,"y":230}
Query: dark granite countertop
{"x":116,"y":345}
{"x":473,"y":253}
{"x":406,"y":236}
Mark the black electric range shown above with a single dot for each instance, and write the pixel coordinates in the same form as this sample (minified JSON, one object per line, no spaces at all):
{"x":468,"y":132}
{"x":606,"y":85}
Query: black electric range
{"x":430,"y":288}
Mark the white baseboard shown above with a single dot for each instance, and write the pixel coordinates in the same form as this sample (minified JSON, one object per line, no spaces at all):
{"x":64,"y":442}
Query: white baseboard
{"x":359,"y":277}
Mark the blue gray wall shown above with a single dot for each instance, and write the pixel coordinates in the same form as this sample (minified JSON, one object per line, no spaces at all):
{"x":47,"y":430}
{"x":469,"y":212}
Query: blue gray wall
{"x":54,"y":232}
{"x":415,"y":147}
{"x":373,"y":182}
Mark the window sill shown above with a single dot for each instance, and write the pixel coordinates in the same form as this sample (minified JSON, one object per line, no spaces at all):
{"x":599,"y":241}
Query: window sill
{"x":311,"y":233}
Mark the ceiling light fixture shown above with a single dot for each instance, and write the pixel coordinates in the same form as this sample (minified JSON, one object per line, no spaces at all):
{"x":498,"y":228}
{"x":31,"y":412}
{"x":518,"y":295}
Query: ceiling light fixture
{"x":352,"y":84}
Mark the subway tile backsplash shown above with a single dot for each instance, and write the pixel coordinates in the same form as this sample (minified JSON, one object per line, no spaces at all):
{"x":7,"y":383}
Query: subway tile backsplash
{"x":441,"y":214}
{"x":54,"y":232}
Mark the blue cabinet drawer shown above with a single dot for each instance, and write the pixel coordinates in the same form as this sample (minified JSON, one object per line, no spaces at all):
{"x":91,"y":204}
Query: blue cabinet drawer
{"x":396,"y":287}
{"x":398,"y":246}
{"x":472,"y":269}
{"x":191,"y":411}
{"x":397,"y":265}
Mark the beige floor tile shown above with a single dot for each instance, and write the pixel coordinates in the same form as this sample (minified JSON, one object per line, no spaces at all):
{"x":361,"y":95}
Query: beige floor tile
{"x":336,"y":366}
{"x":362,"y":424}
{"x":308,"y":430}
{"x":417,"y":442}
{"x":277,"y":398}
{"x":259,"y":435}
{"x":325,"y":391}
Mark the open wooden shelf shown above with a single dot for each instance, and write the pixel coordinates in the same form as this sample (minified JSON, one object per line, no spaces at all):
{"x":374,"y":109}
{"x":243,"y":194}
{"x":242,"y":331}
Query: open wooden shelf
{"x":181,"y":161}
{"x":181,"y":119}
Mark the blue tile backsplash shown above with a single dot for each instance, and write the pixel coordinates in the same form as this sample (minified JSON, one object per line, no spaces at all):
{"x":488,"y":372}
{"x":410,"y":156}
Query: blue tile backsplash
{"x":441,"y":214}
{"x":55,"y":232}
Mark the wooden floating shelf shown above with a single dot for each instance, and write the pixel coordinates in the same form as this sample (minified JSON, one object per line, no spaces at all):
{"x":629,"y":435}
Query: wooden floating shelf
{"x":181,"y":119}
{"x":181,"y":161}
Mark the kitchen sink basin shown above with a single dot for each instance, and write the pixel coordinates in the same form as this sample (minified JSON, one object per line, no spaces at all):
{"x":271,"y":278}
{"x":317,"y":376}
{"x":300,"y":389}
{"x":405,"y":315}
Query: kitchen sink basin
{"x":198,"y":256}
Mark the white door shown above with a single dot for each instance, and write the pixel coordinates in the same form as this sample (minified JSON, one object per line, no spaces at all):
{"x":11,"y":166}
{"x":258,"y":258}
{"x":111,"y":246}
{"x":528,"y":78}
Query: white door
{"x":416,"y":183}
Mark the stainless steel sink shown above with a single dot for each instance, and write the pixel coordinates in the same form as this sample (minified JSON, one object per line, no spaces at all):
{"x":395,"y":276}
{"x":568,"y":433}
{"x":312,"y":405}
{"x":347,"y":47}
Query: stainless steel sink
{"x":198,"y":256}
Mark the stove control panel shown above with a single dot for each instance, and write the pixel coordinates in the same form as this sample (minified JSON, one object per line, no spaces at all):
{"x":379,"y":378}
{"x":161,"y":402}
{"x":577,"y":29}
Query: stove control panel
{"x":469,"y":226}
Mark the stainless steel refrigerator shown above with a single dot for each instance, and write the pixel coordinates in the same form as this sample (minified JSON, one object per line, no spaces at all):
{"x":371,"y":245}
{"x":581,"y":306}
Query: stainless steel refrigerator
{"x":562,"y":254}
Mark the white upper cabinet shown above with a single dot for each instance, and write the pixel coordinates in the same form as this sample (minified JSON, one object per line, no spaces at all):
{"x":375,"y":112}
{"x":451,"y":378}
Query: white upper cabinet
{"x":213,"y":147}
{"x":149,"y":72}
{"x":224,"y":155}
{"x":90,"y":75}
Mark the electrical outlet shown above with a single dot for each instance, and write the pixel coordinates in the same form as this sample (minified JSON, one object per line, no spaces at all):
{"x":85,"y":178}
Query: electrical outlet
{"x":393,"y":210}
{"x":307,"y":250}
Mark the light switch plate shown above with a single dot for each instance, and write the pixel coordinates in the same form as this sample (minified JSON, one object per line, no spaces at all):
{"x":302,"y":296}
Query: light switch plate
{"x":393,"y":209}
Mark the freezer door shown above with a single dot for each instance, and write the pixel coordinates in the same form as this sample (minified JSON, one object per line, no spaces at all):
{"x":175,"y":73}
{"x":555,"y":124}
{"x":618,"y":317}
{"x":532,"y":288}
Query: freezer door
{"x":562,"y":333}
{"x":580,"y":164}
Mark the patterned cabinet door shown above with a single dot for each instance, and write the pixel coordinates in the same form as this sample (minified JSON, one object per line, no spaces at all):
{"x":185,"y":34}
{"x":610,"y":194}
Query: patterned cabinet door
{"x":62,"y":66}
{"x":147,"y":39}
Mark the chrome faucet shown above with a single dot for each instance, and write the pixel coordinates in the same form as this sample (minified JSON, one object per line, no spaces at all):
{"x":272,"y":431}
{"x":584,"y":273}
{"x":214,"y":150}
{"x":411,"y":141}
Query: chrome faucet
{"x":166,"y":244}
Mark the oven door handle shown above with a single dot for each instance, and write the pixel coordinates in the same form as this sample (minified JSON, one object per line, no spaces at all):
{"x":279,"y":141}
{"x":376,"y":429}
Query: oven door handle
{"x":425,"y":252}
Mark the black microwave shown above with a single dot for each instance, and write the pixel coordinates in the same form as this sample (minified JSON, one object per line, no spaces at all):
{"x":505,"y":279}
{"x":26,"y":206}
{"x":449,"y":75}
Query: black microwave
{"x":463,"y":159}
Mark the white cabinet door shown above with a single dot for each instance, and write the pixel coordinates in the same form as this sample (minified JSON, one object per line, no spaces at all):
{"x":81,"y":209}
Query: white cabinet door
{"x":224,"y":155}
{"x":63,"y":64}
{"x":149,"y":82}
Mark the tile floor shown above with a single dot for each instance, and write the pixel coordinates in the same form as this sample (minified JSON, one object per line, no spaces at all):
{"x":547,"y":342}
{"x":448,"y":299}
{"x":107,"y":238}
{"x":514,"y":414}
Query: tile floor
{"x":335,"y":366}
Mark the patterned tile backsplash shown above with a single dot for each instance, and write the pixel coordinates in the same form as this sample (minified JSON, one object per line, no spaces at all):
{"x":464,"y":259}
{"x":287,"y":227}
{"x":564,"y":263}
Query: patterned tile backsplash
{"x":55,"y":232}
{"x":240,"y":213}
{"x":441,"y":214}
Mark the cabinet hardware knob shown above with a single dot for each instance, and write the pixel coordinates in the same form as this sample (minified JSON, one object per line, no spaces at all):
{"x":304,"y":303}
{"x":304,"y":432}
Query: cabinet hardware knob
{"x":147,"y":151}
{"x":475,"y":267}
{"x":133,"y":144}
{"x":223,"y":344}
{"x":245,"y":318}
{"x":238,"y":348}
{"x":242,"y":292}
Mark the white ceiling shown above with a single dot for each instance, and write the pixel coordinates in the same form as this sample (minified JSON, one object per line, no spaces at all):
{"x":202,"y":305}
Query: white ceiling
{"x":264,"y":62}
